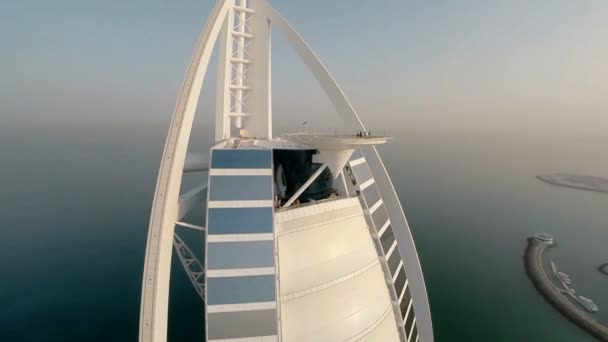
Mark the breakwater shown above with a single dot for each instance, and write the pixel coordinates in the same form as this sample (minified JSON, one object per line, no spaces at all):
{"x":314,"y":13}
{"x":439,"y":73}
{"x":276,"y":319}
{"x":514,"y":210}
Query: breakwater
{"x":581,"y":182}
{"x":533,"y":260}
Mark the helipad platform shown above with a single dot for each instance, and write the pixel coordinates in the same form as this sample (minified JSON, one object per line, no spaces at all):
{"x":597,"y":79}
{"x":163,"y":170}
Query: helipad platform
{"x":323,"y":141}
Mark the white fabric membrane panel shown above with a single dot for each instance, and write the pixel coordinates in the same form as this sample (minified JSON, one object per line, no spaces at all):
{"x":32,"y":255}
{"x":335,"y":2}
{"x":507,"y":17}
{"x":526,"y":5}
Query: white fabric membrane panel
{"x":331,"y":284}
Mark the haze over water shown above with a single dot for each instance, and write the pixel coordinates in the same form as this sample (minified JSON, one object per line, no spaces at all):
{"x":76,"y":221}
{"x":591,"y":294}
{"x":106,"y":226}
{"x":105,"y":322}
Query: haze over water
{"x":77,"y":203}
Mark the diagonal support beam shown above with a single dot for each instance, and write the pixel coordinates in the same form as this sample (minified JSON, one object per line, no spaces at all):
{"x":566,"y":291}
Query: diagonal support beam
{"x":196,"y":162}
{"x":194,"y":269}
{"x":191,"y":199}
{"x":190,"y":225}
{"x":305,"y":186}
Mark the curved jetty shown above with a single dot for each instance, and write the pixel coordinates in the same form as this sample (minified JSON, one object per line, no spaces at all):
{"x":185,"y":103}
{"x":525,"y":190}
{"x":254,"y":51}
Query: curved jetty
{"x":581,"y":182}
{"x":533,"y":259}
{"x":603,"y":268}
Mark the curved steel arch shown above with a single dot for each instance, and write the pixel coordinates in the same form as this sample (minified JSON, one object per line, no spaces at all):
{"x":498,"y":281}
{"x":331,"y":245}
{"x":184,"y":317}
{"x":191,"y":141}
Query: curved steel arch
{"x":393,"y":206}
{"x":157,"y":265}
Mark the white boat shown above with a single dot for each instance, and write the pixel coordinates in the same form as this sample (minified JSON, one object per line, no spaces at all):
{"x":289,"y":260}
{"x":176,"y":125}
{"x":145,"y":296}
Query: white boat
{"x":588,"y":304}
{"x":565,"y":278}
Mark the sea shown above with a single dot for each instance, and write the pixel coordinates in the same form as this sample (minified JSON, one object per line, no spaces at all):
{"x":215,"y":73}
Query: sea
{"x":75,"y":202}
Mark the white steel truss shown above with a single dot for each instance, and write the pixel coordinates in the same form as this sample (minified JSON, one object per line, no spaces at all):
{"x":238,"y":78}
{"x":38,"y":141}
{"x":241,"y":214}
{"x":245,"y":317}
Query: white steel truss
{"x":194,"y":269}
{"x":243,"y":104}
{"x":239,"y":86}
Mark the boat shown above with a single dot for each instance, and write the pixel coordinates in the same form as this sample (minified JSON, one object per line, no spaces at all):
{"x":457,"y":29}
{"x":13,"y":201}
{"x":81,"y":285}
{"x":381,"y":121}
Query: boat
{"x":565,"y":278}
{"x":588,"y":304}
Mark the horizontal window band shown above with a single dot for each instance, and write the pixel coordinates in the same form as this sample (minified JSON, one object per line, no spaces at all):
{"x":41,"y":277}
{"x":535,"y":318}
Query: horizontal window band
{"x":241,"y":159}
{"x":239,"y":237}
{"x":242,"y":325}
{"x":241,"y":290}
{"x":240,"y":188}
{"x":240,"y":272}
{"x":241,"y":307}
{"x":240,"y":220}
{"x":240,"y":172}
{"x":241,"y":204}
{"x":240,"y":255}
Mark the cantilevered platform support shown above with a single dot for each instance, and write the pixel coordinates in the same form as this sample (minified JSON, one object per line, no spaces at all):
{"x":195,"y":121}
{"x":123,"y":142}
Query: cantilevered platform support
{"x":334,"y":150}
{"x":305,"y":185}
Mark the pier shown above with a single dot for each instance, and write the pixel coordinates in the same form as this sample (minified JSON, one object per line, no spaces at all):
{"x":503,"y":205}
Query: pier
{"x":533,"y":259}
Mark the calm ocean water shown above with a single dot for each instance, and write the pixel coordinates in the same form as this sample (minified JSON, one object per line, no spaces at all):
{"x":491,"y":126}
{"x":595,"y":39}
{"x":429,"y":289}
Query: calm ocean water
{"x":76,"y":200}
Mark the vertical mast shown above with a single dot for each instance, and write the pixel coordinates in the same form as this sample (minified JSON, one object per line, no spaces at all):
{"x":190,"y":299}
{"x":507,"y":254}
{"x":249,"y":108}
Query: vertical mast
{"x":243,"y":89}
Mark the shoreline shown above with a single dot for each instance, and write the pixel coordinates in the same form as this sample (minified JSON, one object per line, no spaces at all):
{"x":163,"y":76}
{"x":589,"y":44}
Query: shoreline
{"x":533,"y":261}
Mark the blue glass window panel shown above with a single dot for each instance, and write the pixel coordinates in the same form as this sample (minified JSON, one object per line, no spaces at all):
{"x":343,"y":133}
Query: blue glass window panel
{"x":241,"y":159}
{"x":224,"y":188}
{"x":240,"y":220}
{"x":234,"y":290}
{"x":221,"y":325}
{"x":241,"y":254}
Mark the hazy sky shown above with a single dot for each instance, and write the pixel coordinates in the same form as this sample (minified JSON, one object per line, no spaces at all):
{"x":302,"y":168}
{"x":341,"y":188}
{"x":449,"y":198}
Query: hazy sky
{"x":495,"y":65}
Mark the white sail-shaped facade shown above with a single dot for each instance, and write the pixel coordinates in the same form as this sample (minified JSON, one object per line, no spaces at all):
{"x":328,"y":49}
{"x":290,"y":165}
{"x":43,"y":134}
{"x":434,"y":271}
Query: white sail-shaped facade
{"x":320,"y":268}
{"x":304,"y":236}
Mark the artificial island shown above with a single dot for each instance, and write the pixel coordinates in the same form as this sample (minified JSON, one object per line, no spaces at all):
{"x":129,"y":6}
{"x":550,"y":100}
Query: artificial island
{"x":557,"y":288}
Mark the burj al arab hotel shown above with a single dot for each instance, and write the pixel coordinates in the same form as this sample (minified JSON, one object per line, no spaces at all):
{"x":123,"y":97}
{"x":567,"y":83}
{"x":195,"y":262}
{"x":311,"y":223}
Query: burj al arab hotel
{"x":303,"y":235}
